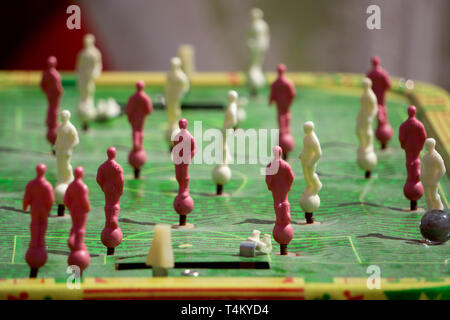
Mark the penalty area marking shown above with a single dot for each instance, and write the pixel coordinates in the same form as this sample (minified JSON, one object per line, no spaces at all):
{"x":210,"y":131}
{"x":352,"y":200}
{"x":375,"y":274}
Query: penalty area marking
{"x":244,"y":181}
{"x":14,"y":250}
{"x":229,"y":235}
{"x":355,"y":252}
{"x":354,"y":249}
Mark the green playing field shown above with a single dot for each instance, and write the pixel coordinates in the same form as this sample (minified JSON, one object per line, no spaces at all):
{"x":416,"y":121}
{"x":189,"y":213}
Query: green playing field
{"x":364,"y":222}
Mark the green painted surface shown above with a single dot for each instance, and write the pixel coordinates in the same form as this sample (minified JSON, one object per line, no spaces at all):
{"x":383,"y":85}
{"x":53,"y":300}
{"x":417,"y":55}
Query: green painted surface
{"x":363,"y":221}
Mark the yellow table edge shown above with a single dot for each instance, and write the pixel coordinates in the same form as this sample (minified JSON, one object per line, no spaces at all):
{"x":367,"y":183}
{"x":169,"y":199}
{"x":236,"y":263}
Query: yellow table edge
{"x":219,"y":288}
{"x":433,"y":103}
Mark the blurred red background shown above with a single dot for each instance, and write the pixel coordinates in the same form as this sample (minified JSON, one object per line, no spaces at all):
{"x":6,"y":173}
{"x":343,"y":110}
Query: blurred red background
{"x":33,"y":30}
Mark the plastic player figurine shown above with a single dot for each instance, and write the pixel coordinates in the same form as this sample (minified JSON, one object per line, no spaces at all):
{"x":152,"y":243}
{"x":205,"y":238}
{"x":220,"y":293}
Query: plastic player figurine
{"x":222,"y":173}
{"x":279,"y":179}
{"x":66,"y":140}
{"x":231,"y":112}
{"x":311,"y":153}
{"x":77,"y":201}
{"x":39,"y":196}
{"x":186,"y":53}
{"x":380,"y":84}
{"x":160,"y":255}
{"x":176,"y":86}
{"x":53,"y":89}
{"x":242,"y":114}
{"x":367,"y":159}
{"x":282,"y":91}
{"x":139,"y":106}
{"x":258,"y":42}
{"x":110,"y":179}
{"x":412,"y":137}
{"x":89,"y":67}
{"x":182,"y":153}
{"x":433,"y":170}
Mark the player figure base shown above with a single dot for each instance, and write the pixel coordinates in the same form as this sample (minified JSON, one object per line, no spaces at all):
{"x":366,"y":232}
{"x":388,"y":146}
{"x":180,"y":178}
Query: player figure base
{"x":137,"y":173}
{"x":61,"y":209}
{"x":289,"y":254}
{"x":110,"y":251}
{"x":160,"y":272}
{"x":219,"y":189}
{"x":283,"y":249}
{"x":33,"y":272}
{"x":206,"y":194}
{"x":187,"y":226}
{"x":388,"y":151}
{"x":367,"y":174}
{"x":309,"y":220}
{"x":315,"y":223}
{"x":85,"y":126}
{"x":254,"y":93}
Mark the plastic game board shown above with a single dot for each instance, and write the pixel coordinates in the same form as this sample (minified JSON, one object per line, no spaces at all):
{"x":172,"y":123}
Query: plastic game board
{"x":364,"y":222}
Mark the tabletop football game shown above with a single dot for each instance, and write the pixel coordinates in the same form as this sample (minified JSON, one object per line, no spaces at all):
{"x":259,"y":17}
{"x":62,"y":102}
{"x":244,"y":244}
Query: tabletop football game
{"x":108,"y":192}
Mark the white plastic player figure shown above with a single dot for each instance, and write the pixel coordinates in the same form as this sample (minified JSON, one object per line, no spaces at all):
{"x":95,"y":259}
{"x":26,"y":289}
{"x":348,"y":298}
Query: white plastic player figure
{"x":66,"y":140}
{"x":222,"y":173}
{"x":366,"y":159}
{"x":89,"y":67}
{"x":264,"y":245}
{"x":242,"y":114}
{"x":176,"y":87}
{"x":433,"y":170}
{"x":186,"y":53}
{"x":160,"y":255}
{"x":311,"y":153}
{"x":231,"y":112}
{"x":258,"y":43}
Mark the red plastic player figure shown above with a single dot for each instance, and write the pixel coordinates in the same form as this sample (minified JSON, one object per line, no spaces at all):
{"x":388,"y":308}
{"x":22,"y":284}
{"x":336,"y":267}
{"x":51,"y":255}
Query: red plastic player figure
{"x":52,"y":87}
{"x":412,"y":136}
{"x":183,"y":151}
{"x":380,"y":84}
{"x":38,"y":195}
{"x":110,"y":179}
{"x":279,"y":179}
{"x":282,"y":91}
{"x":139,"y":106}
{"x":76,"y":200}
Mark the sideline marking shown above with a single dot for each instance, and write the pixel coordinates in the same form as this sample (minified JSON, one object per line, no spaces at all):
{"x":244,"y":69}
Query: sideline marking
{"x":443,"y":195}
{"x":14,"y":250}
{"x":244,"y":182}
{"x":354,"y":250}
